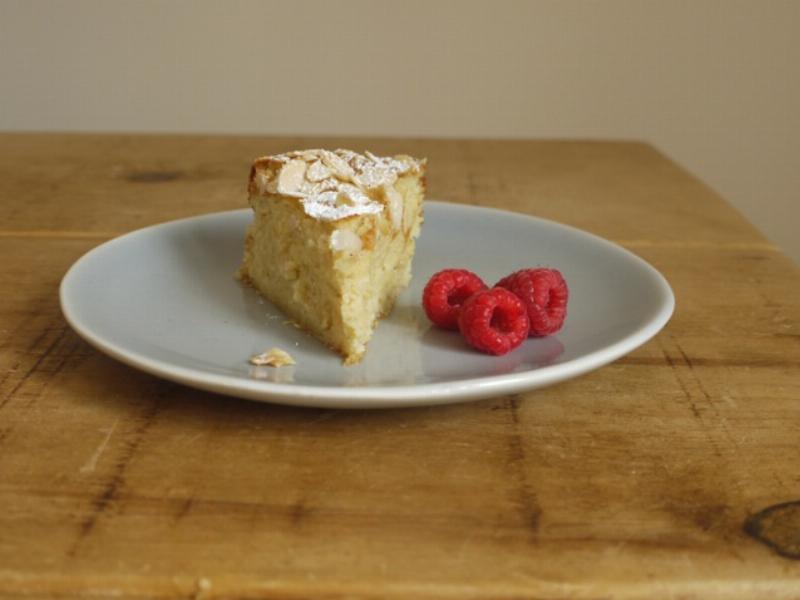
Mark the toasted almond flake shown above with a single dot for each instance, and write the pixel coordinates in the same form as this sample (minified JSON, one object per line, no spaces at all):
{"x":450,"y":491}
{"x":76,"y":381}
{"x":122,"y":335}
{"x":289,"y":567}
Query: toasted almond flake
{"x":317,"y":172}
{"x":311,"y":155}
{"x":395,"y":202}
{"x":291,"y":177}
{"x":338,"y":165}
{"x":350,"y":195}
{"x":409,"y":217}
{"x":275,"y":357}
{"x":344,"y":240}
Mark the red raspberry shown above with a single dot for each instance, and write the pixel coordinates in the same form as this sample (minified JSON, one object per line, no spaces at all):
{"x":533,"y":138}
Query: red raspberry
{"x":545,"y":295}
{"x":445,"y":292}
{"x":494,"y":321}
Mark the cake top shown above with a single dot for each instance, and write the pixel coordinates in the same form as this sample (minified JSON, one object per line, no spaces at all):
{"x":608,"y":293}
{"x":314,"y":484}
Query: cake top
{"x":332,"y":184}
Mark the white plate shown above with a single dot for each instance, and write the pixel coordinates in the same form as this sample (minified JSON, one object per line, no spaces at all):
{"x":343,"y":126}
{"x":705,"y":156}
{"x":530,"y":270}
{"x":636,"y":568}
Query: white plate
{"x":163,"y":299}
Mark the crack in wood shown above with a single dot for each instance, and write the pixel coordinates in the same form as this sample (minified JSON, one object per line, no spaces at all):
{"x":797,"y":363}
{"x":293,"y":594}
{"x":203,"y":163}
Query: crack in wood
{"x":687,"y":394}
{"x":100,"y":504}
{"x":696,"y":378}
{"x":720,"y":418}
{"x":69,"y":353}
{"x":526,"y":502}
{"x":36,"y":364}
{"x":699,"y":361}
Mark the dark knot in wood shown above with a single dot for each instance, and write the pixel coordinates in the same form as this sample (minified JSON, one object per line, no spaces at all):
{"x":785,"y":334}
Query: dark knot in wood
{"x":778,"y":527}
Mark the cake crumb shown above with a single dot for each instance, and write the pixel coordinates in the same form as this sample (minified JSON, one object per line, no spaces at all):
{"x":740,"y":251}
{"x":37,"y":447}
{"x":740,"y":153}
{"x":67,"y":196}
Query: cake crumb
{"x":274,"y":357}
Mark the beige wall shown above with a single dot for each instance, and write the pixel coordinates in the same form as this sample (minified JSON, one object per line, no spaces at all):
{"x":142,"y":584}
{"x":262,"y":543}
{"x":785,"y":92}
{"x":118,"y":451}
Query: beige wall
{"x":715,"y":85}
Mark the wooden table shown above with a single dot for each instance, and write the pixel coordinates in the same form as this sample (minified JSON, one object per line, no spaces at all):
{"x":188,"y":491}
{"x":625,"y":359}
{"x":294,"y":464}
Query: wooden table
{"x":674,"y":472}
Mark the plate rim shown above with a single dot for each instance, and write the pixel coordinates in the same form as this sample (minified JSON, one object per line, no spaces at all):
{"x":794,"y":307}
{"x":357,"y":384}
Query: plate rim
{"x":460,"y":390}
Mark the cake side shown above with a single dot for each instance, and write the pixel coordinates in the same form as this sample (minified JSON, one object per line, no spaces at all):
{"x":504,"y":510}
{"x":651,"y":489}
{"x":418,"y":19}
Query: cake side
{"x":376,"y":274}
{"x":288,"y":260}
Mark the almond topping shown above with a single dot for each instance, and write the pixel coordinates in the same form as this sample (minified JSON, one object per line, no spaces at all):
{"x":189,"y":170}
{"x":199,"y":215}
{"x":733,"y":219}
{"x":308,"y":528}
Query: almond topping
{"x":291,"y":177}
{"x":344,"y":240}
{"x":317,"y":172}
{"x":338,"y":165}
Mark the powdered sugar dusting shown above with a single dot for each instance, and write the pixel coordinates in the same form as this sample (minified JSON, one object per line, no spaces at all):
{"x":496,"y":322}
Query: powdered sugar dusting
{"x":334,"y":185}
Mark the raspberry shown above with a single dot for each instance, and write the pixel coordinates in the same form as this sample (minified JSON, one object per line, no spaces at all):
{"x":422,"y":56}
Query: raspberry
{"x":494,"y":321}
{"x":445,"y":292}
{"x":545,"y":295}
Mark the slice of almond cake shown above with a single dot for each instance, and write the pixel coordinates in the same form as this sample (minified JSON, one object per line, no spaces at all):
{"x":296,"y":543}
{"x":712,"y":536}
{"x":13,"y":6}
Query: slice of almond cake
{"x":332,"y":239}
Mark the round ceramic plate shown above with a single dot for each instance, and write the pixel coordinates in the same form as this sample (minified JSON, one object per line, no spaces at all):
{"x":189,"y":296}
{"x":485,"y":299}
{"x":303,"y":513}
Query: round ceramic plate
{"x":164,"y":299}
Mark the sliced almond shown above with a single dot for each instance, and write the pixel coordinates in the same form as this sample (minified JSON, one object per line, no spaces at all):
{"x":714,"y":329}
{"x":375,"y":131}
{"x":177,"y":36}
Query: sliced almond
{"x":409,"y":218}
{"x":338,"y":166}
{"x":311,"y":155}
{"x":344,"y":240}
{"x":394,"y":200}
{"x":274,"y":357}
{"x":350,"y":195}
{"x":317,"y":172}
{"x":291,"y":177}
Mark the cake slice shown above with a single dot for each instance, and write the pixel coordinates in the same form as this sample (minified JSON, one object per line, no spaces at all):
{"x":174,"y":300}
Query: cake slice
{"x":332,"y":239}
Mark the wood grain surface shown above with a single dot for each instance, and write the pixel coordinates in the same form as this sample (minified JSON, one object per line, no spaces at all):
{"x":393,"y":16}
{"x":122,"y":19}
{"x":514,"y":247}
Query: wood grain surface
{"x":674,"y":472}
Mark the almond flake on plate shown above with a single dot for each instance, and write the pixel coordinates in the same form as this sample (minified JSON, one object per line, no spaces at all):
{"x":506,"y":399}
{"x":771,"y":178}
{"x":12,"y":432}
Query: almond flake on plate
{"x":272,"y":358}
